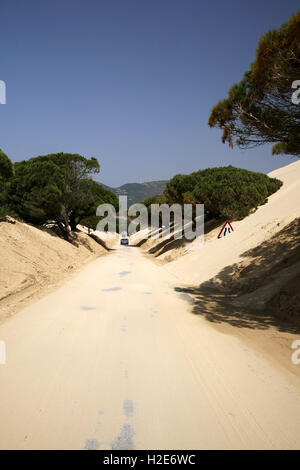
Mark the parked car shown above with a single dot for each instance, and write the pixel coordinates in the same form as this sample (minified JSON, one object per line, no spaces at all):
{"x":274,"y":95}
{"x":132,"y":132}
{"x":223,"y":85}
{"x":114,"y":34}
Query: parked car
{"x":124,"y":240}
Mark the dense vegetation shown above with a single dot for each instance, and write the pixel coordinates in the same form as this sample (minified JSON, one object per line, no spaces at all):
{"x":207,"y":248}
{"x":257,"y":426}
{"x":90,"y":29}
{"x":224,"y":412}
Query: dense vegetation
{"x":59,"y":188}
{"x":56,"y":187}
{"x":6,"y":173}
{"x":226,"y":192}
{"x":259,"y":109}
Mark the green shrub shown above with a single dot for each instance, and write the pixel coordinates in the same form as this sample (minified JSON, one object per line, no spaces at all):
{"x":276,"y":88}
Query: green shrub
{"x":226,"y":192}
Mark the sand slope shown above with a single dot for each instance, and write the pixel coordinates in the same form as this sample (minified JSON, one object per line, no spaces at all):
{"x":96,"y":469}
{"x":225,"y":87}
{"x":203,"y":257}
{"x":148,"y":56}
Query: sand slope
{"x":33,"y":260}
{"x":283,"y":207}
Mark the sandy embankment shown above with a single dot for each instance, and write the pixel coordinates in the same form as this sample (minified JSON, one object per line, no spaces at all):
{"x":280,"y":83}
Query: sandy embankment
{"x":259,"y":260}
{"x":34,"y":261}
{"x":282,"y":208}
{"x":266,"y":235}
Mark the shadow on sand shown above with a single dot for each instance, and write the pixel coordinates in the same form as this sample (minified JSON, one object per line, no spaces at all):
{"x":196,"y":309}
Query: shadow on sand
{"x":234,"y":295}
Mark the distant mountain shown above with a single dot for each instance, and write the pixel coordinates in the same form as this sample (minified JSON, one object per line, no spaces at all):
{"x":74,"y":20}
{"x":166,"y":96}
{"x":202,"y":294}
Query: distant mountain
{"x":137,"y":192}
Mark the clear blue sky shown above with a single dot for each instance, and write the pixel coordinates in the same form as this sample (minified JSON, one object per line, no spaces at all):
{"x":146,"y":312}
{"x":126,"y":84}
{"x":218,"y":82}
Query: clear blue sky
{"x":130,"y":82}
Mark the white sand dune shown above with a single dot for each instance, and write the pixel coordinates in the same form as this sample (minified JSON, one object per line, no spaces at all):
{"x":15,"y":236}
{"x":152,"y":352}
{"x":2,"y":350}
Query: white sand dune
{"x":34,"y":261}
{"x":283,"y":207}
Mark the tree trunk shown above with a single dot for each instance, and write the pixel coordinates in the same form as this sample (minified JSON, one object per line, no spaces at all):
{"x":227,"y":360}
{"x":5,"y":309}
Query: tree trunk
{"x":65,"y":226}
{"x":73,"y":223}
{"x":63,"y":231}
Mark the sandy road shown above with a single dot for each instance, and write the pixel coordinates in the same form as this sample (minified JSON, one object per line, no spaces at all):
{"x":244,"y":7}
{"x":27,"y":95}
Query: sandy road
{"x":115,"y":360}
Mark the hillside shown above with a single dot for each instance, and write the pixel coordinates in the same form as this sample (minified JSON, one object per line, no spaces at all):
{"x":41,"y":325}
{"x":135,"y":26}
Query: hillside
{"x":34,"y":261}
{"x":268,"y":220}
{"x":137,"y":192}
